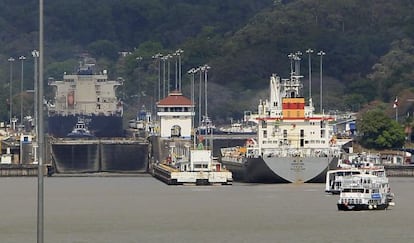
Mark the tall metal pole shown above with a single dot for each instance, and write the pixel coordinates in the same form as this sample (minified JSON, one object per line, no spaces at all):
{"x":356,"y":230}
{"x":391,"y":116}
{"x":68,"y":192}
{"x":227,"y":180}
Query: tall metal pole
{"x":179,"y":52}
{"x":163,"y":75}
{"x":199,"y":96}
{"x":176,"y":71}
{"x":321,"y":54}
{"x":139,"y":59}
{"x":206,"y":68}
{"x":22,"y":58}
{"x":35,"y":54}
{"x":158,"y":58}
{"x":168,"y":73}
{"x":310,"y":51}
{"x":11,"y":60}
{"x":191,"y":72}
{"x":40,"y":193}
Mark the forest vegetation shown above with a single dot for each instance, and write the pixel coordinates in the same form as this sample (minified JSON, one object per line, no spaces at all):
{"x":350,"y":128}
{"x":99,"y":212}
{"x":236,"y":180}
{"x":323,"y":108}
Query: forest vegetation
{"x":369,"y":48}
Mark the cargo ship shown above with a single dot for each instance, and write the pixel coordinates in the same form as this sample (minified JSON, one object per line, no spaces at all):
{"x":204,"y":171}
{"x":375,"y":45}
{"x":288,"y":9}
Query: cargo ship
{"x":293,"y":143}
{"x":89,"y":96}
{"x":85,"y":126}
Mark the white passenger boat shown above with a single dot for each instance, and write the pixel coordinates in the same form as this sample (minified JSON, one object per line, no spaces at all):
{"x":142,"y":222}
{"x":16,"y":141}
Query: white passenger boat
{"x":354,"y":164}
{"x":365,"y":192}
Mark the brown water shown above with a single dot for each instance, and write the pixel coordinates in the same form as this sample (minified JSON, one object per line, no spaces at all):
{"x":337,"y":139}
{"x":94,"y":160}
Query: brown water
{"x":142,"y":209}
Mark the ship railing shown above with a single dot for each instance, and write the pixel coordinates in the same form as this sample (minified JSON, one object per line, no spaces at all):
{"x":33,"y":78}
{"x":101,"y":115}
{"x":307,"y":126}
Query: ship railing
{"x":307,"y":152}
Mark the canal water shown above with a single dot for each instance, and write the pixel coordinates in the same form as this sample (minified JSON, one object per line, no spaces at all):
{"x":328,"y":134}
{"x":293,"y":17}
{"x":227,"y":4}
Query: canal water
{"x":142,"y":209}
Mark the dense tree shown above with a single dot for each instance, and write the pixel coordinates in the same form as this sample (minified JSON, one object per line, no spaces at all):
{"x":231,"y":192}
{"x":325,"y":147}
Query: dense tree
{"x":369,"y":45}
{"x":378,"y":131}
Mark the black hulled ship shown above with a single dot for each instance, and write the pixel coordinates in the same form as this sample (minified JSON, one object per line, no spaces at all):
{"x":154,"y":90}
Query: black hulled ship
{"x":85,"y":126}
{"x":87,"y":95}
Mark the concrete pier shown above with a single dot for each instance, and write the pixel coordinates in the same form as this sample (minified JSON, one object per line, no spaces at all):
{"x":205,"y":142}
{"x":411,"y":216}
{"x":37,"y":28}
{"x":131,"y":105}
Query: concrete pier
{"x":20,"y":170}
{"x":399,"y":170}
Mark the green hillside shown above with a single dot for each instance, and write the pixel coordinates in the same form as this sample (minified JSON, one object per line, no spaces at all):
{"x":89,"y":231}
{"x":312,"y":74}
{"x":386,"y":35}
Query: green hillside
{"x":369,"y":47}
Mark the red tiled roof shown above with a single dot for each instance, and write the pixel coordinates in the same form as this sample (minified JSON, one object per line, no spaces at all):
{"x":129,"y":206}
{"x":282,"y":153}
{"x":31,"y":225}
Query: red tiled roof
{"x":175,"y":99}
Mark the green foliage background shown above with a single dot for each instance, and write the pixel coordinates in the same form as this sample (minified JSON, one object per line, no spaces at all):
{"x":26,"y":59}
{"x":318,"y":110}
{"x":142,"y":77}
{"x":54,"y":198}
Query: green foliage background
{"x":378,"y":131}
{"x":369,"y":46}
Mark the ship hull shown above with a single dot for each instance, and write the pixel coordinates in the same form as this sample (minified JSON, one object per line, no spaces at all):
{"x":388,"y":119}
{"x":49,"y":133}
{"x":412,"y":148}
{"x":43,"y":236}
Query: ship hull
{"x":99,"y":155}
{"x":280,"y":169}
{"x":100,"y":126}
{"x":359,"y":207}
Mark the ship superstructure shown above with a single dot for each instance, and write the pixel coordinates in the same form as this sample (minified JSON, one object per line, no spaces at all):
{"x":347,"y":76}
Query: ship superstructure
{"x":88,"y":95}
{"x":293,"y":143}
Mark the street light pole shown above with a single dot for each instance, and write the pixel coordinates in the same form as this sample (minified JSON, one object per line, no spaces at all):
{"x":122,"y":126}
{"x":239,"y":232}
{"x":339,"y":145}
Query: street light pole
{"x":199,"y":69}
{"x":22,"y":58}
{"x":139,"y":59}
{"x":11,"y":60}
{"x":35,"y":54}
{"x":192,"y":72}
{"x":205,"y":69}
{"x":169,"y":56}
{"x":321,"y":54}
{"x":310,"y":51}
{"x":41,"y":140}
{"x":176,"y":71}
{"x":158,"y":58}
{"x":179,"y":52}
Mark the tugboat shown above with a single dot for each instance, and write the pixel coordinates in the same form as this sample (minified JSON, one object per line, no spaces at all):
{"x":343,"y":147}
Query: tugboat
{"x":80,"y":130}
{"x":365,"y":192}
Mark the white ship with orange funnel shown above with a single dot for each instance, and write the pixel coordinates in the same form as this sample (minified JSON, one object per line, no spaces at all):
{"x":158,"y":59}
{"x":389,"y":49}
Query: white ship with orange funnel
{"x":293,"y":143}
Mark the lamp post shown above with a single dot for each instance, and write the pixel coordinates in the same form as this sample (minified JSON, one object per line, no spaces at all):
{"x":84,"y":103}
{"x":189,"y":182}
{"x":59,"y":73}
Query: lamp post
{"x":139,"y":59}
{"x":41,"y":156}
{"x":199,"y":69}
{"x":205,"y":68}
{"x":11,"y":60}
{"x":158,"y":57}
{"x":179,"y":52}
{"x":192,"y":72}
{"x":321,"y":54}
{"x":164,"y":58}
{"x":169,"y":56}
{"x":310,"y":51}
{"x":176,"y":71}
{"x":21,"y":58}
{"x":35,"y":54}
